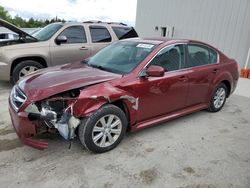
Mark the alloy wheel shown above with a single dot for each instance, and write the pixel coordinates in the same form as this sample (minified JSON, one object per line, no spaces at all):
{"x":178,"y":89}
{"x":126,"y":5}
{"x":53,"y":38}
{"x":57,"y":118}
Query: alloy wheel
{"x":219,"y":97}
{"x":27,"y":70}
{"x":107,"y":130}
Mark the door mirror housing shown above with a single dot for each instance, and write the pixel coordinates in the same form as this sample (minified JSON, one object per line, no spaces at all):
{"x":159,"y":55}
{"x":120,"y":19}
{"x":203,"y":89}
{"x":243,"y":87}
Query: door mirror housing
{"x":155,"y":71}
{"x":61,"y":39}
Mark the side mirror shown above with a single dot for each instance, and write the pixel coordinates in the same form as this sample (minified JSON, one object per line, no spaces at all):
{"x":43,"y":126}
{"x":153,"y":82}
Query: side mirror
{"x":61,"y":39}
{"x":155,"y":71}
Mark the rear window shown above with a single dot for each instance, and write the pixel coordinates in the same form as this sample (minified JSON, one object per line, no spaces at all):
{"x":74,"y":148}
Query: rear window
{"x":124,"y":32}
{"x":99,"y":34}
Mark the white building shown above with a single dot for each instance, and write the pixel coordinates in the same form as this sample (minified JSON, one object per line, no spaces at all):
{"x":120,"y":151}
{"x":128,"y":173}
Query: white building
{"x":224,"y":24}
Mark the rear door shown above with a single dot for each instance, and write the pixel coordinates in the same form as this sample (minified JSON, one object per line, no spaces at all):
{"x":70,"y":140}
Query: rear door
{"x":76,"y":48}
{"x":203,"y":66}
{"x":100,"y":37}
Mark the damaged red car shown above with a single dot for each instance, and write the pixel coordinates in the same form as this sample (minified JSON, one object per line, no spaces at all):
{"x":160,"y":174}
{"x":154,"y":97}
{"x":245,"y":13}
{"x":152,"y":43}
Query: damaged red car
{"x":127,"y":86}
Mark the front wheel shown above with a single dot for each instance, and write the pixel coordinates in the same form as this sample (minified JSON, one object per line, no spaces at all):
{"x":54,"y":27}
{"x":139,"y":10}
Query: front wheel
{"x":103,"y":130}
{"x":218,"y":98}
{"x":24,"y":68}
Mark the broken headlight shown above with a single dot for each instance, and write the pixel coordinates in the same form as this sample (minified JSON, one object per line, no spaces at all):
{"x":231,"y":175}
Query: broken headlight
{"x":56,"y":113}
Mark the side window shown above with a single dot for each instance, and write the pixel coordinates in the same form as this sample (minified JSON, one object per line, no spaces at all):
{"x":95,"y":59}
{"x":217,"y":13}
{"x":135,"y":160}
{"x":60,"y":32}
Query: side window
{"x":200,"y":55}
{"x":99,"y":34}
{"x":11,"y":36}
{"x":3,"y":36}
{"x":213,"y":56}
{"x":171,"y":58}
{"x":75,"y":34}
{"x":124,"y":32}
{"x":16,"y":36}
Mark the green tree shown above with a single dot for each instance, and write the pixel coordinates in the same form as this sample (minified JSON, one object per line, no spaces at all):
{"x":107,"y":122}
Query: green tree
{"x":4,"y":14}
{"x":31,"y":23}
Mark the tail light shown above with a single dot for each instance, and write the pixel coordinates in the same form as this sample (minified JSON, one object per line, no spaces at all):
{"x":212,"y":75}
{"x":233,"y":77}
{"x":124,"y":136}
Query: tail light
{"x":236,"y":66}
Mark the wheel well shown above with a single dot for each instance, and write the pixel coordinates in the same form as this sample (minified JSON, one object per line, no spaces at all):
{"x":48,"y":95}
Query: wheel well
{"x":121,"y":104}
{"x":228,"y":85}
{"x":38,"y":59}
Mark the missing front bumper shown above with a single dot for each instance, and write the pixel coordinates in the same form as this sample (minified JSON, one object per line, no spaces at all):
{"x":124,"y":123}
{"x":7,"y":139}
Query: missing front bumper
{"x":26,"y":130}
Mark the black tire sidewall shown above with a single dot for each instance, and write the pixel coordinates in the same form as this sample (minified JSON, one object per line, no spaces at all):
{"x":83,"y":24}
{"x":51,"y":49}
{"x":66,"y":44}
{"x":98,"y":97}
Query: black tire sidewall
{"x":86,"y":128}
{"x":21,"y":65}
{"x":212,"y":108}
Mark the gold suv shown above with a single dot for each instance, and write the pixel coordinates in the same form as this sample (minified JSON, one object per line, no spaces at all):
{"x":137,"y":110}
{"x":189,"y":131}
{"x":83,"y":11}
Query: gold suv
{"x":56,"y":44}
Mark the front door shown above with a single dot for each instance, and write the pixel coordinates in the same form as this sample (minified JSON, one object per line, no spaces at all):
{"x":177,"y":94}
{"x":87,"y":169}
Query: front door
{"x":75,"y":49}
{"x":163,"y":95}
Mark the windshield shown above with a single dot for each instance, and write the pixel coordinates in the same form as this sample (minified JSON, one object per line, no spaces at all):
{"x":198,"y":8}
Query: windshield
{"x":48,"y":31}
{"x":121,"y":57}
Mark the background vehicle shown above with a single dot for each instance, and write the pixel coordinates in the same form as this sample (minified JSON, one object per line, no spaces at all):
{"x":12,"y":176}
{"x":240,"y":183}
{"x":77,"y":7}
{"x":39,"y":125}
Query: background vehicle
{"x":34,"y":31}
{"x":8,"y":36}
{"x":137,"y":83}
{"x":55,"y":44}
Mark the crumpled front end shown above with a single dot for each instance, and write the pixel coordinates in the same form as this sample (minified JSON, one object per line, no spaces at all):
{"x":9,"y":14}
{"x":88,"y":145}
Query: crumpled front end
{"x":49,"y":115}
{"x":62,"y":112}
{"x":25,"y":129}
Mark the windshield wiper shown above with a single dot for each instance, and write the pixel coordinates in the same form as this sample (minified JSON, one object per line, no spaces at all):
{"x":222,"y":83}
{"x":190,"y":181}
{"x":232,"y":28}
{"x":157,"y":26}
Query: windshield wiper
{"x":85,"y":62}
{"x":98,"y":67}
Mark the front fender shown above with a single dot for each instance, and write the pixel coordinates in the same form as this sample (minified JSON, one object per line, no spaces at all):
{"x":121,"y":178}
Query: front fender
{"x":92,"y":98}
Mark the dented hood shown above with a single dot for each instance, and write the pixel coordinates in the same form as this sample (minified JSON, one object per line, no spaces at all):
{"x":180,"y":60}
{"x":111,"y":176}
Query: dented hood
{"x":54,"y":80}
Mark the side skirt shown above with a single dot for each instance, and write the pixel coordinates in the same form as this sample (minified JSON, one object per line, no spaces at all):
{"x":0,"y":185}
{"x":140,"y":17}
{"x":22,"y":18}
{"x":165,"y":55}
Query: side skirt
{"x":167,"y":117}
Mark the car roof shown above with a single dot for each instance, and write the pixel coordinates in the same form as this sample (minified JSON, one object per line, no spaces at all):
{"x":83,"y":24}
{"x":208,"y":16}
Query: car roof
{"x":161,"y":40}
{"x":100,"y":23}
{"x":157,"y":40}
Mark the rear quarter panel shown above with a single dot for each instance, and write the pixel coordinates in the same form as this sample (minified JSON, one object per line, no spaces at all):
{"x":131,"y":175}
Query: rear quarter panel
{"x":228,"y":71}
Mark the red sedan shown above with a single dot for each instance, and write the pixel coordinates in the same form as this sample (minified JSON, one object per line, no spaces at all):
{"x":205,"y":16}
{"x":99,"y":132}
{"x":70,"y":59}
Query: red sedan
{"x":129,"y":85}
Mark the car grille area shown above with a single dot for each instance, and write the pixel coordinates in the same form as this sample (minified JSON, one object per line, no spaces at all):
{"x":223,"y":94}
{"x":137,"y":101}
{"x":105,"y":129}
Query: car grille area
{"x":17,"y":98}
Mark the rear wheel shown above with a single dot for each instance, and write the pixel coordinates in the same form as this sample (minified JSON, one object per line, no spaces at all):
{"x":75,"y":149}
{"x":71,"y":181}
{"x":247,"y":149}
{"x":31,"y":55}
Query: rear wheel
{"x":24,"y":68}
{"x":103,"y":130}
{"x":218,"y":98}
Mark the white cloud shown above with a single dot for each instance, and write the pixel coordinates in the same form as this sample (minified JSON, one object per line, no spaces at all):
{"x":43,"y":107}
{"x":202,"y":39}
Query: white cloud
{"x":76,"y":10}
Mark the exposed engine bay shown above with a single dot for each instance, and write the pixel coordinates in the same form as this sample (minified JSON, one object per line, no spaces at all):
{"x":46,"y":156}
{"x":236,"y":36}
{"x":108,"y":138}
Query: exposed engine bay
{"x":56,"y":113}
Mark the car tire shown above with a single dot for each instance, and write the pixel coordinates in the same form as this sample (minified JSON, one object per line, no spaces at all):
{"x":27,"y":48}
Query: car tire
{"x":218,"y":98}
{"x":27,"y":66}
{"x":104,"y":129}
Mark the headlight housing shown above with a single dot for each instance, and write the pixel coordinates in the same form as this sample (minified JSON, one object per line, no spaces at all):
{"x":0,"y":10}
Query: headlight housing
{"x":17,"y":98}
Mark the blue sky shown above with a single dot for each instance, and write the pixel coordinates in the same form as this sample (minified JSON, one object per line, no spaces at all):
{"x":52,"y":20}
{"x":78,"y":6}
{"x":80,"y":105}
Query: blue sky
{"x":74,"y":10}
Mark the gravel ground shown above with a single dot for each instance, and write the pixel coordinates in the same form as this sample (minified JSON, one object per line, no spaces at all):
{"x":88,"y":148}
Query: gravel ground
{"x":204,"y":150}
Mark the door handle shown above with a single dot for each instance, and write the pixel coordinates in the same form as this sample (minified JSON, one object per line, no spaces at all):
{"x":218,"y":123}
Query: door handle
{"x":215,"y":71}
{"x":183,"y":79}
{"x":83,"y":48}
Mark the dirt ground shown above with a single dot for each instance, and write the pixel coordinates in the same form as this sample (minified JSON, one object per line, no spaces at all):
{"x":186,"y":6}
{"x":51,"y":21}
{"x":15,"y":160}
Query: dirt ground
{"x":205,"y":150}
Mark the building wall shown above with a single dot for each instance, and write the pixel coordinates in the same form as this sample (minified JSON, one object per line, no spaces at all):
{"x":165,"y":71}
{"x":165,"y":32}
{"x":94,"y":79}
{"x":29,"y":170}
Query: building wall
{"x":224,"y":24}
